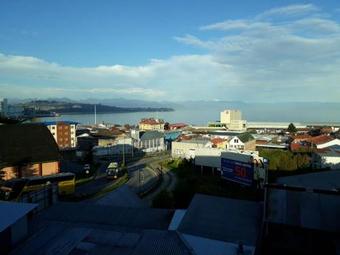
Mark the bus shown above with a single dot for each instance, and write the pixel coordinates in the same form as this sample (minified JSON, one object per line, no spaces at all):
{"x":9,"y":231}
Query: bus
{"x":13,"y":189}
{"x":113,"y":171}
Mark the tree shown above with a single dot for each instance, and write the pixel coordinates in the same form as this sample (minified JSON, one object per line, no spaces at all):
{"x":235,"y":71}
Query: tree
{"x":163,"y":199}
{"x":291,"y":128}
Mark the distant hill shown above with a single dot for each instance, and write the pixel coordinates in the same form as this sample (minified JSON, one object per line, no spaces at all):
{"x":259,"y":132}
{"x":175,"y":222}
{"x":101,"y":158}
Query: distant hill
{"x":82,"y":108}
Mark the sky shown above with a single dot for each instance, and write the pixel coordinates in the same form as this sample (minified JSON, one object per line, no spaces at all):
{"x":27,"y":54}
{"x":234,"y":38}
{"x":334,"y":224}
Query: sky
{"x":252,"y":51}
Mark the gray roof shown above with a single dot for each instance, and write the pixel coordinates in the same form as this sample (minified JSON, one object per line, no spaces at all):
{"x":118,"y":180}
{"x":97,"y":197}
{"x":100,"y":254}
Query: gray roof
{"x":12,"y":212}
{"x":222,"y":219}
{"x":304,"y":209}
{"x":149,"y":135}
{"x":79,"y":228}
{"x":320,"y":180}
{"x":146,"y":218}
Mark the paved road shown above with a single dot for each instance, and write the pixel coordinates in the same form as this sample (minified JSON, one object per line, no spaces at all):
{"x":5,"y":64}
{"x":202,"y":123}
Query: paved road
{"x":141,"y":177}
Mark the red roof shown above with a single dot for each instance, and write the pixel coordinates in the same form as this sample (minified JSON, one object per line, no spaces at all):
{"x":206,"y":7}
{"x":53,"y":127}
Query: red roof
{"x":217,"y":140}
{"x":261,"y":141}
{"x":178,"y":125}
{"x":151,"y":121}
{"x":301,"y":137}
{"x":321,"y":139}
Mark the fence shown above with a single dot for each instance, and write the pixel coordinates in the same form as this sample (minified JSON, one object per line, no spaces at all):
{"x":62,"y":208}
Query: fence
{"x":44,"y":197}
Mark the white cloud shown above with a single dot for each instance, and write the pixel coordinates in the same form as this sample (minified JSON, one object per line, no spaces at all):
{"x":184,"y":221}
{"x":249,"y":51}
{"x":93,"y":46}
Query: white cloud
{"x":290,"y":11}
{"x":227,"y":25}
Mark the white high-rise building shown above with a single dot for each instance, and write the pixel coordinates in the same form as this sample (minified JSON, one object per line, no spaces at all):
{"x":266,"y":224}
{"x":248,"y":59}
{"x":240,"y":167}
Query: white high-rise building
{"x":3,"y":107}
{"x":232,"y":119}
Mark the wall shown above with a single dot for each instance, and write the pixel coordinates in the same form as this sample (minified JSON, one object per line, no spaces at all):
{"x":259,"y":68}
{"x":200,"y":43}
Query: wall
{"x":250,"y":145}
{"x":31,"y":170}
{"x":184,"y":149}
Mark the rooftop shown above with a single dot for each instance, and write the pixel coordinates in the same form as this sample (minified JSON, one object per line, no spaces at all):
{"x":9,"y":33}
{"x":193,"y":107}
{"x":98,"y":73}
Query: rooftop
{"x":27,"y":143}
{"x":224,"y":219}
{"x":149,"y":135}
{"x":11,"y":212}
{"x":47,"y":123}
{"x":151,"y":121}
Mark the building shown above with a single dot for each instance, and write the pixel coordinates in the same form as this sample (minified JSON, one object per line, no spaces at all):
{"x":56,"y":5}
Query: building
{"x":216,"y":225}
{"x":176,"y":126}
{"x":232,"y":119}
{"x":151,"y":124}
{"x":27,"y":150}
{"x":3,"y":107}
{"x":148,"y":141}
{"x":64,"y":133}
{"x":187,"y":148}
{"x":13,"y":224}
{"x":242,"y":142}
{"x":328,"y":157}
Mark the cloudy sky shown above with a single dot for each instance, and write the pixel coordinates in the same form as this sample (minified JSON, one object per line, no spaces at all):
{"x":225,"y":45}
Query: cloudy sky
{"x":253,"y":51}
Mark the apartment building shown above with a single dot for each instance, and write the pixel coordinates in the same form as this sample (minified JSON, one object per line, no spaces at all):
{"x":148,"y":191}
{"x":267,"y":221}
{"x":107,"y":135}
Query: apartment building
{"x":232,"y":119}
{"x":64,"y":133}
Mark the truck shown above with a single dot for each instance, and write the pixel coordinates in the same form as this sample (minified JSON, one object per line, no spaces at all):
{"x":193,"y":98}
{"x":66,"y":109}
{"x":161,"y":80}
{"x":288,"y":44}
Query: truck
{"x":244,"y":168}
{"x":112,"y":171}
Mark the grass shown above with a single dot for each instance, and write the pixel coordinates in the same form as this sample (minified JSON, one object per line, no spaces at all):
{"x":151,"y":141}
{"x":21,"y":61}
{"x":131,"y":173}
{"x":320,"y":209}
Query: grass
{"x":83,"y":180}
{"x":121,"y":181}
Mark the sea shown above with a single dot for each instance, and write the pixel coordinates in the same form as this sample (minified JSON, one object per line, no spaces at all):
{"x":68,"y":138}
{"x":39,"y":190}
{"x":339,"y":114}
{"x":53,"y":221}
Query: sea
{"x":203,"y":116}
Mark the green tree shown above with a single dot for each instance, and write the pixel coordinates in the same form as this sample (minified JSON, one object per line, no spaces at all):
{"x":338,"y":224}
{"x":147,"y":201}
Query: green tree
{"x":163,"y":199}
{"x":291,"y":128}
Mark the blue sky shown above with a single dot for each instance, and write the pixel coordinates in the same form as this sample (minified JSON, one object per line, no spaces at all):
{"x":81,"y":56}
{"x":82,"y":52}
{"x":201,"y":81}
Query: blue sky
{"x":173,"y":50}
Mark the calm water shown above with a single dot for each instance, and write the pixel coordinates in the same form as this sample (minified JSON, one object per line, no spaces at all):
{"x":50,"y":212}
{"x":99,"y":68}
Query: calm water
{"x":203,"y":116}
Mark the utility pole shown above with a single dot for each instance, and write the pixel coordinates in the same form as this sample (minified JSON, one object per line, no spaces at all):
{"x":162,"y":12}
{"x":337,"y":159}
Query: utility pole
{"x":95,"y":114}
{"x":124,"y":150}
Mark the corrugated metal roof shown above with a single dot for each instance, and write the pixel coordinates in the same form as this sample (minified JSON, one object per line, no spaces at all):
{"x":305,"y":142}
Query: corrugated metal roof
{"x":223,"y":219}
{"x":149,"y":135}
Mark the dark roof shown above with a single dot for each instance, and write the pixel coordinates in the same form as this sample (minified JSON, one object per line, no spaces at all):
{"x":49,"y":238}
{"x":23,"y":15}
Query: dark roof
{"x":149,"y":135}
{"x":327,"y":180}
{"x":222,"y":219}
{"x":11,"y":212}
{"x":246,"y":137}
{"x":27,"y":143}
{"x":47,"y":123}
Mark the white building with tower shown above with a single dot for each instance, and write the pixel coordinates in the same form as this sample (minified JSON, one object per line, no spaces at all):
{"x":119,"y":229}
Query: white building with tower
{"x":232,"y":119}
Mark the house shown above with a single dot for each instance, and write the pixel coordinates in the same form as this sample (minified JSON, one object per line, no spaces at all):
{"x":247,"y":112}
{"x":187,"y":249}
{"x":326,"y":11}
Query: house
{"x":151,"y":124}
{"x":64,"y":133}
{"x":219,"y":142}
{"x":186,"y":148}
{"x":27,"y":150}
{"x":328,"y":157}
{"x":248,"y":140}
{"x":244,"y":142}
{"x":148,"y":141}
{"x":176,"y":126}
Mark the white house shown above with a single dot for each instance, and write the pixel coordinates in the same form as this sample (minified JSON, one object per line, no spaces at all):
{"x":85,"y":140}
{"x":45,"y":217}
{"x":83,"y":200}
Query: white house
{"x":327,"y":158}
{"x":334,"y":142}
{"x":187,"y":148}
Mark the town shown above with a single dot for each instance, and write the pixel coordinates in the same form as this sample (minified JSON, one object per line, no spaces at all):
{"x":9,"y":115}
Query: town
{"x":230,"y":186}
